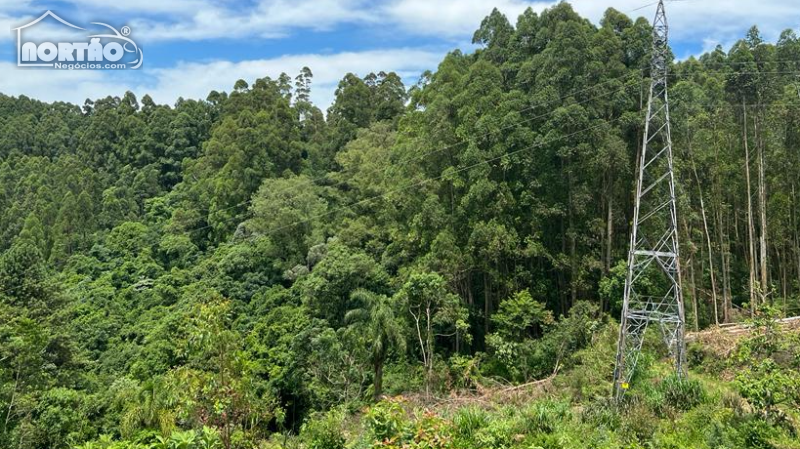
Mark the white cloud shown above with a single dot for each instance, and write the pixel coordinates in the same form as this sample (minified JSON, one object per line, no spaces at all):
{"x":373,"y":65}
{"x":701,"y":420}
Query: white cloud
{"x":180,"y":7}
{"x":11,"y":5}
{"x":714,"y":20}
{"x":453,"y":18}
{"x":268,"y":19}
{"x":196,"y":80}
{"x":156,"y":20}
{"x":720,"y":20}
{"x":57,"y":85}
{"x":6,"y":24}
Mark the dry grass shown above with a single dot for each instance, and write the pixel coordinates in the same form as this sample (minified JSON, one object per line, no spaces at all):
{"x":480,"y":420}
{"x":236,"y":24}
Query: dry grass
{"x":488,"y":395}
{"x":722,"y":340}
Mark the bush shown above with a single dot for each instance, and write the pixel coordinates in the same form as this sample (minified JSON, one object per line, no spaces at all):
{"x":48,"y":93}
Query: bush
{"x":468,"y":421}
{"x":679,"y":394}
{"x":431,"y":432}
{"x":704,"y":359}
{"x":757,"y":434}
{"x":500,"y":432}
{"x":544,"y":416}
{"x":428,"y":431}
{"x":386,"y":420}
{"x":324,"y":431}
{"x":768,"y":387}
{"x":602,"y":412}
{"x":638,"y":422}
{"x":465,"y":370}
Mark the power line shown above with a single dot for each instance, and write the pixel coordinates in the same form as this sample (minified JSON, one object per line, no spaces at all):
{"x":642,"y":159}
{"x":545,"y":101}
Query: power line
{"x":641,"y":7}
{"x":490,"y":133}
{"x":403,"y":162}
{"x":480,"y":136}
{"x":437,"y":178}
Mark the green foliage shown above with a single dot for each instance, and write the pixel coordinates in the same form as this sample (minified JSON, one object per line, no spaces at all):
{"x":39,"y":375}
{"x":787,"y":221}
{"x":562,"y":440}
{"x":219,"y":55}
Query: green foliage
{"x":22,"y":275}
{"x":768,"y":387}
{"x":468,"y":421}
{"x":465,"y":370}
{"x":674,"y":393}
{"x":429,"y":431}
{"x":324,"y":431}
{"x":217,"y":273}
{"x":387,"y":421}
{"x":765,"y":341}
{"x":521,"y":317}
{"x":520,"y":358}
{"x":544,"y":416}
{"x":378,"y":324}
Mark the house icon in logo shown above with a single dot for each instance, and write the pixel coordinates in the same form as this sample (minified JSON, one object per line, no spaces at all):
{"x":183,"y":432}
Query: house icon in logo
{"x":107,"y":48}
{"x":28,"y":25}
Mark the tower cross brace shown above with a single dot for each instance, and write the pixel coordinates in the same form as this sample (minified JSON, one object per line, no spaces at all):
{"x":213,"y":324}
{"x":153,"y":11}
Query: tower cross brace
{"x":652,"y":285}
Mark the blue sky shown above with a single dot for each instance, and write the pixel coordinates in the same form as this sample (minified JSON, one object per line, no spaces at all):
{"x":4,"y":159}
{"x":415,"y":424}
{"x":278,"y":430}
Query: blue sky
{"x":193,"y":46}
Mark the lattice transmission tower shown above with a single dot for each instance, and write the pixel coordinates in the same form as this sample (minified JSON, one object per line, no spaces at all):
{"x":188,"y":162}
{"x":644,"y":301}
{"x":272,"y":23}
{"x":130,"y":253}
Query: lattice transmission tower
{"x":653,"y":284}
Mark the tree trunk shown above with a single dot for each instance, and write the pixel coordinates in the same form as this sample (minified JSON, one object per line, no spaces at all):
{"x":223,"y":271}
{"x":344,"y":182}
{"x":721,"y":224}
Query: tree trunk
{"x":573,"y":254}
{"x":724,"y":252}
{"x":723,"y":247}
{"x":782,"y":268}
{"x":429,"y":337}
{"x":690,"y":267}
{"x":708,"y":243}
{"x":750,"y":230}
{"x":378,"y":384}
{"x":762,"y":208}
{"x":487,"y":304}
{"x":694,"y":295}
{"x":470,"y":298}
{"x":609,"y":231}
{"x":13,"y":397}
{"x":796,"y":226}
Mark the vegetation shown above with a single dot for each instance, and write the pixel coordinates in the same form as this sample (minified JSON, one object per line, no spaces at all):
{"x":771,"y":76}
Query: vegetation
{"x":246,"y":271}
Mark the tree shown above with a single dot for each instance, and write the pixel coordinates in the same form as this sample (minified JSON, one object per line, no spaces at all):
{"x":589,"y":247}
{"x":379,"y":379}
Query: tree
{"x":376,"y":321}
{"x":435,"y":313}
{"x":291,"y":212}
{"x":520,"y":317}
{"x":33,"y":232}
{"x":326,"y":290}
{"x":23,"y":277}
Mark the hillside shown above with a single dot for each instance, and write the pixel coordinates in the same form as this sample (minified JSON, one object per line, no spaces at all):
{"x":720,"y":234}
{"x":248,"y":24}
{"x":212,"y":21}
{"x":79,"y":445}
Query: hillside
{"x":744,"y":395}
{"x":246,"y":271}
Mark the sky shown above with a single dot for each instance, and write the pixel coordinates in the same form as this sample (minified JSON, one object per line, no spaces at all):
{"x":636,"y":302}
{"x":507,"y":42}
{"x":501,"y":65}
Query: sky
{"x":191,"y":47}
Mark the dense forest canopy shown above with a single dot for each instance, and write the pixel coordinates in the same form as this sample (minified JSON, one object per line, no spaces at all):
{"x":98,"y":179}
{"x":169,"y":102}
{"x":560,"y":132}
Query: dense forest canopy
{"x":232,"y":266}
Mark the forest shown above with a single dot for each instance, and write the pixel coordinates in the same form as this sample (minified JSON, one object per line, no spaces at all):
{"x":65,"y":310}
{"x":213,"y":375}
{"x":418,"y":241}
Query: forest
{"x":431,"y":266}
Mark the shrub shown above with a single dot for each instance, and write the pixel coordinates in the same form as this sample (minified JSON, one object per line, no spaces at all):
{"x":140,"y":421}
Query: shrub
{"x":431,"y":432}
{"x":544,"y":416}
{"x":601,"y":412}
{"x":679,"y":394}
{"x":324,"y":431}
{"x":468,"y":421}
{"x":428,"y":431}
{"x":499,"y":433}
{"x":767,"y":387}
{"x":639,"y":423}
{"x":757,"y":434}
{"x":465,"y":370}
{"x":702,"y":358}
{"x":386,"y":420}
